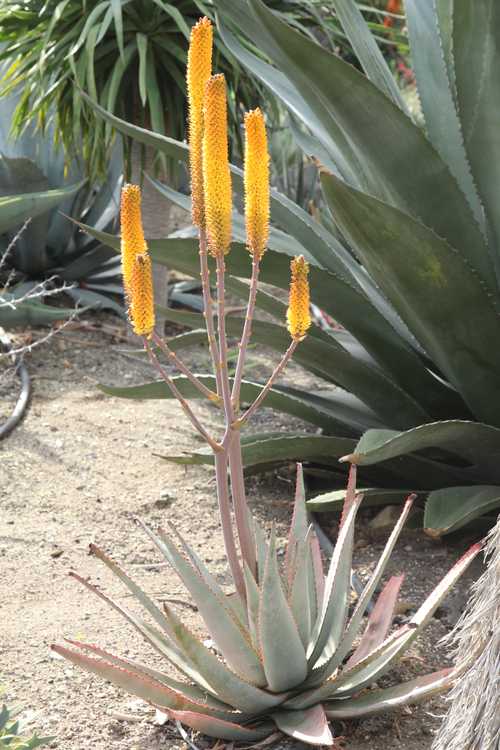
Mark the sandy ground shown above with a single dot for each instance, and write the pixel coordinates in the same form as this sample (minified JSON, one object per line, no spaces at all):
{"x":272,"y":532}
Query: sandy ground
{"x":78,"y":469}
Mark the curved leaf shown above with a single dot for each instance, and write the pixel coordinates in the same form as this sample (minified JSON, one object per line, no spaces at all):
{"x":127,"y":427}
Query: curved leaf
{"x":261,"y":449}
{"x":310,"y":726}
{"x":343,"y":97}
{"x":367,"y":50}
{"x":441,"y":118}
{"x":431,"y":285}
{"x":283,"y":655}
{"x":223,"y":730}
{"x":332,"y":502}
{"x":14,"y":209}
{"x":451,"y":508}
{"x":477,"y":443}
{"x":476,"y":50}
{"x":378,"y":701}
{"x":298,"y":406}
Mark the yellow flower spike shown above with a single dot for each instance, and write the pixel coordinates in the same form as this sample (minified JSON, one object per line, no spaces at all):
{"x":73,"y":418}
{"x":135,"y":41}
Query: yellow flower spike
{"x":199,"y":68}
{"x":141,"y":300}
{"x":132,"y":234}
{"x":216,"y":174}
{"x":298,"y":315}
{"x":256,"y":183}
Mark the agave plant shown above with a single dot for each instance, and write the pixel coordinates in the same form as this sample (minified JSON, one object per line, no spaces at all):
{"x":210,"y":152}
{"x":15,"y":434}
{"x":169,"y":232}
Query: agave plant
{"x":406,"y":262}
{"x":52,"y":246}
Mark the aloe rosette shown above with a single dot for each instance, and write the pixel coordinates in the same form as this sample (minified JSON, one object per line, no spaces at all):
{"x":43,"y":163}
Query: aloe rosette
{"x":289,"y":652}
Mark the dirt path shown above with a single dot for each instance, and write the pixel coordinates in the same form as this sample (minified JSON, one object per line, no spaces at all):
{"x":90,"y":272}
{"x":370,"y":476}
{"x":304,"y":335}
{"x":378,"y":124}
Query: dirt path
{"x":79,"y":469}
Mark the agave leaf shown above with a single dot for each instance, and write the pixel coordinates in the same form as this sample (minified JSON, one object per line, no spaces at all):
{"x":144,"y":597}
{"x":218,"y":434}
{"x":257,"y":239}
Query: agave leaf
{"x":30,"y":313}
{"x":283,"y":654}
{"x":367,"y":50}
{"x":451,"y":508}
{"x":223,"y":730}
{"x":378,"y":701}
{"x":379,"y":621}
{"x":329,"y":359}
{"x":424,"y":286}
{"x":333,"y":140}
{"x":144,"y":687}
{"x":442,"y":122}
{"x":476,"y":50}
{"x":331,"y":621}
{"x":342,"y":301}
{"x":346,"y":99}
{"x":298,"y":406}
{"x":317,"y":564}
{"x":258,"y":449}
{"x":310,"y":725}
{"x":14,"y":209}
{"x":225,"y":628}
{"x":228,"y":686}
{"x":331,"y":502}
{"x":191,"y":691}
{"x":165,"y":647}
{"x":262,"y":549}
{"x":476,"y":442}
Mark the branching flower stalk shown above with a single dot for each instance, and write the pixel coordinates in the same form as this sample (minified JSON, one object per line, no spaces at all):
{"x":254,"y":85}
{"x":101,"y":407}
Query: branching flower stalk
{"x":211,"y":213}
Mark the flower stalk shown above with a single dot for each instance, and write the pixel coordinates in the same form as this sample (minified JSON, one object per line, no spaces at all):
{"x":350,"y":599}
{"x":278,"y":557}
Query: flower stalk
{"x":211,"y":213}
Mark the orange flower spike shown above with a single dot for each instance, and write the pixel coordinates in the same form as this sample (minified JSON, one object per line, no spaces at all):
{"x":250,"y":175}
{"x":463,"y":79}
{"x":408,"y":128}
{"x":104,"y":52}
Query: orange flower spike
{"x":256,"y":176}
{"x":216,"y":174}
{"x":199,"y":68}
{"x":298,"y":314}
{"x":141,"y":299}
{"x":132,"y":234}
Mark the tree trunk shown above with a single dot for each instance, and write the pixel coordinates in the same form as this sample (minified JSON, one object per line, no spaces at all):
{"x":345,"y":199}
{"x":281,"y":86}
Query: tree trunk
{"x":156,"y":216}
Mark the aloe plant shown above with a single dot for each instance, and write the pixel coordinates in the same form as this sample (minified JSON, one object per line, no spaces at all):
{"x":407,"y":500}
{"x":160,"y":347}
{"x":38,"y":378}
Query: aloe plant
{"x":406,"y":262}
{"x":292,"y":655}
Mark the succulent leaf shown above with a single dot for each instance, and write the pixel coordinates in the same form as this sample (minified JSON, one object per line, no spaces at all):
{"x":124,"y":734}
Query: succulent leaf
{"x":330,"y":623}
{"x":163,"y":645}
{"x":377,"y":701}
{"x":223,"y":730}
{"x":191,"y":691}
{"x":309,"y":725}
{"x":144,"y":687}
{"x":231,"y":637}
{"x":228,"y":686}
{"x":283,"y":654}
{"x":379,"y":621}
{"x":302,"y":596}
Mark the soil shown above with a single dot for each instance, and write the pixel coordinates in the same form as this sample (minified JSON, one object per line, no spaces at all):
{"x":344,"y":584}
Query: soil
{"x":79,"y":469}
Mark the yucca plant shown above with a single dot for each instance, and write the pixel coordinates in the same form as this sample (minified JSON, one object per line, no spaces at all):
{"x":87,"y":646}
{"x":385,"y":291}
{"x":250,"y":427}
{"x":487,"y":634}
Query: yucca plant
{"x":406,"y":262}
{"x":291,"y":660}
